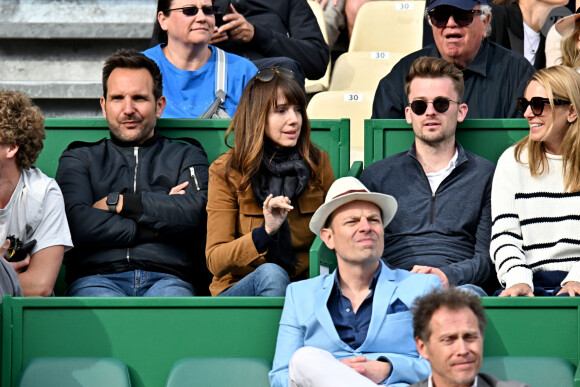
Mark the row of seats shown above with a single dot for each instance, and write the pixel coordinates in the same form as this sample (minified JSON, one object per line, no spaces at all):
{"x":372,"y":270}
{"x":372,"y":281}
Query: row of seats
{"x":253,"y":372}
{"x":383,"y":33}
{"x":108,"y":372}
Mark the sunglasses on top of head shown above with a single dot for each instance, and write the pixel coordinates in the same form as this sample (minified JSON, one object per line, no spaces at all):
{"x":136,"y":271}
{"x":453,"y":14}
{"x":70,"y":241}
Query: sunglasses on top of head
{"x":267,"y":74}
{"x":192,"y":10}
{"x":439,"y":16}
{"x":537,"y":104}
{"x":440,"y":104}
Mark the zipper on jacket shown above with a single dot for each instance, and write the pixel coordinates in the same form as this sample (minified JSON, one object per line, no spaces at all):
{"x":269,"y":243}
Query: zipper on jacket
{"x":136,"y":154}
{"x":192,"y":172}
{"x":432,"y":208}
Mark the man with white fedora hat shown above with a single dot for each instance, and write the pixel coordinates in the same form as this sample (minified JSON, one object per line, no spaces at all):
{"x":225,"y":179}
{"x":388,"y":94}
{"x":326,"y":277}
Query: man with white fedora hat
{"x":334,"y":331}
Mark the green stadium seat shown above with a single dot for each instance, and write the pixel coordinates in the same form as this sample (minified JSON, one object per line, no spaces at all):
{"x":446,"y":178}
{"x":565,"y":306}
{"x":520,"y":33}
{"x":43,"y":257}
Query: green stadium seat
{"x":535,"y":371}
{"x":75,"y":372}
{"x":218,"y":372}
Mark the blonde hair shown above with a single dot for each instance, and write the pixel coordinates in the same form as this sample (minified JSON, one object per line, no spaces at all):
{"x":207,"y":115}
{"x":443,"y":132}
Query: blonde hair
{"x":560,"y":82}
{"x":568,"y":46}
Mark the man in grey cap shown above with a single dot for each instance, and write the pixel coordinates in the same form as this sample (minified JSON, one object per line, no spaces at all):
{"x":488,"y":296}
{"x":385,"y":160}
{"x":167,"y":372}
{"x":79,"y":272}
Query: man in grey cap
{"x":334,"y":331}
{"x":494,"y":76}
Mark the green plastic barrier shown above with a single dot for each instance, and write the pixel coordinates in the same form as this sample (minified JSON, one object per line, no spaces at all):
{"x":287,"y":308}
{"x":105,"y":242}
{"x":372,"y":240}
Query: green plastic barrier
{"x":333,"y":136}
{"x":148,"y":334}
{"x":151,"y":334}
{"x":488,"y":138}
{"x":485,"y":137}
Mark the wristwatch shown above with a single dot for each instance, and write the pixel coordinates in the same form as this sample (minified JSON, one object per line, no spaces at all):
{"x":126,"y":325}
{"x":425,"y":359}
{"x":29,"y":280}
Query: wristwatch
{"x":112,"y":200}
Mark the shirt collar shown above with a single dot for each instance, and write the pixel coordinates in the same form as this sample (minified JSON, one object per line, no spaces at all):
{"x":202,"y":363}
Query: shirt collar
{"x":430,"y":381}
{"x":372,"y":285}
{"x":477,"y":65}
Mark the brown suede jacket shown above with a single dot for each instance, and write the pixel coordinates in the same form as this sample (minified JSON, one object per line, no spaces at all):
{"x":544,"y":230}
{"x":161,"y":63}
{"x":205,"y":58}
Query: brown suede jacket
{"x":230,"y":250}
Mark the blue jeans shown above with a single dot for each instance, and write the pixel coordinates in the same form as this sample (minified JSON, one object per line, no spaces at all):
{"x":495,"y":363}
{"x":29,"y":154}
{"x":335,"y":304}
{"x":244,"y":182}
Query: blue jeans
{"x":268,"y":280}
{"x":130,"y":283}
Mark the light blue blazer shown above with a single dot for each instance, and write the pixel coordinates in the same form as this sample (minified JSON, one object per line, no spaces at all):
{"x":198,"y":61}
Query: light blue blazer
{"x":306,"y":321}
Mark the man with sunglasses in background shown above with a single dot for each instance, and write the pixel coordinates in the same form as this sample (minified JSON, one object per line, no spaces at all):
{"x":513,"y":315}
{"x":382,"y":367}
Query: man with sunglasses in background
{"x":443,"y":224}
{"x":494,"y":76}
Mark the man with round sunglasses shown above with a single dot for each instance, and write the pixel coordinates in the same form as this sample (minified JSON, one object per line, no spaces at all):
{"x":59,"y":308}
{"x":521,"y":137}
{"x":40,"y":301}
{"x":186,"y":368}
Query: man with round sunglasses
{"x":493,"y":75}
{"x":443,"y":224}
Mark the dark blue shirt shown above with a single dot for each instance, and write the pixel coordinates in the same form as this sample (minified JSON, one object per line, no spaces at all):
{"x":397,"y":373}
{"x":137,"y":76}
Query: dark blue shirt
{"x":352,"y":327}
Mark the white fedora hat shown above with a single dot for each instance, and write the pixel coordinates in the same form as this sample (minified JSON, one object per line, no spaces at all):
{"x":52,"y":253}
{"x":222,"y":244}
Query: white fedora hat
{"x":346,"y":190}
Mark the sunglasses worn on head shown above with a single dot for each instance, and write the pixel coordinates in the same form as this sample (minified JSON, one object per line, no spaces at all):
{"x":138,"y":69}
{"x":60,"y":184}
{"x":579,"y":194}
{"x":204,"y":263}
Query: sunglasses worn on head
{"x":192,"y":11}
{"x":439,"y":16}
{"x":440,"y":104}
{"x":267,"y":74}
{"x":537,"y":104}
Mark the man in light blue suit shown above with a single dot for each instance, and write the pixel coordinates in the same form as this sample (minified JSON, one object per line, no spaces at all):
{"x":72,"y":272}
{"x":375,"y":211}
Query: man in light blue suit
{"x":353,"y":327}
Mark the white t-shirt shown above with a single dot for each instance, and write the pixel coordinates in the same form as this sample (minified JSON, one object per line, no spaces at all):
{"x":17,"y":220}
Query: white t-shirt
{"x":531,"y":43}
{"x":435,"y":178}
{"x":36,"y":211}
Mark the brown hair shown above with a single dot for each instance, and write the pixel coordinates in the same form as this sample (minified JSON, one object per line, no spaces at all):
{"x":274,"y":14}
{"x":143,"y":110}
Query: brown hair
{"x":453,"y":298}
{"x":427,"y":67}
{"x":560,"y":82}
{"x":249,"y":127}
{"x":22,"y":124}
{"x":132,"y":59}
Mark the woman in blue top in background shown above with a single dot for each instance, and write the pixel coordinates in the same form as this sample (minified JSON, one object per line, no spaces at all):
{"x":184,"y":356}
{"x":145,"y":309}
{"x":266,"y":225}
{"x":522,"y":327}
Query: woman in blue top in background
{"x":189,"y":64}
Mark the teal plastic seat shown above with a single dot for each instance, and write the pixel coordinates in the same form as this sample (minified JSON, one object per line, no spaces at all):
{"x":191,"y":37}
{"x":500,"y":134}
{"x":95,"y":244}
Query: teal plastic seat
{"x":75,"y":372}
{"x":219,"y":372}
{"x":535,"y":371}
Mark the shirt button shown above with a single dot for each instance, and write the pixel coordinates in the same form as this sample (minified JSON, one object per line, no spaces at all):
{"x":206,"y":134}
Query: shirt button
{"x":356,"y":330}
{"x":347,"y":310}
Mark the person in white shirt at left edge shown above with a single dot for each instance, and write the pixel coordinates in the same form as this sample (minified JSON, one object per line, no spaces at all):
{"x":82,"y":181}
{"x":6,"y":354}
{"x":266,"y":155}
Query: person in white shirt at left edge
{"x":31,"y":204}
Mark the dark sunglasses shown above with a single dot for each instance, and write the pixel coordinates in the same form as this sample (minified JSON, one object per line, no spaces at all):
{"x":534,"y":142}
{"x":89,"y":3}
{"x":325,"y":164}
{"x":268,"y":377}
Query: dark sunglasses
{"x":440,"y":104}
{"x":267,"y":74}
{"x":537,"y":104}
{"x":439,"y":16}
{"x":192,"y":11}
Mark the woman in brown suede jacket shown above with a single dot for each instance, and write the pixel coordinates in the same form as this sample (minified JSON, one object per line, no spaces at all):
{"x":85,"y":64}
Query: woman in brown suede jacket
{"x":263,"y":192}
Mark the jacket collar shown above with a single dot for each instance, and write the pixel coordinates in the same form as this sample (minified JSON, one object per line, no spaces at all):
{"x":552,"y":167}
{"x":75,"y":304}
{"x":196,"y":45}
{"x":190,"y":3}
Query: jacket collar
{"x":461,"y":155}
{"x":383,"y":293}
{"x":149,"y":142}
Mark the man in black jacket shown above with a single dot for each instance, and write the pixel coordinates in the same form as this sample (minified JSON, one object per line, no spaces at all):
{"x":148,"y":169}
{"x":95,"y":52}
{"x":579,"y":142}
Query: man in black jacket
{"x":274,"y":33}
{"x":135,"y":203}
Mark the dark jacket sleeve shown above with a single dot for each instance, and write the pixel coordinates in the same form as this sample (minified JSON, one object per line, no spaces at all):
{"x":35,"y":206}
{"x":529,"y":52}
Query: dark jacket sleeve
{"x":88,"y":225}
{"x":304,"y":41}
{"x":180,"y":214}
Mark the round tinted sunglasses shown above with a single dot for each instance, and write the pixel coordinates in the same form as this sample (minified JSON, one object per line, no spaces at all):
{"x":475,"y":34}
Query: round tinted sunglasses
{"x":439,"y":16}
{"x":440,"y":104}
{"x":537,"y":104}
{"x":192,"y":11}
{"x":267,"y":74}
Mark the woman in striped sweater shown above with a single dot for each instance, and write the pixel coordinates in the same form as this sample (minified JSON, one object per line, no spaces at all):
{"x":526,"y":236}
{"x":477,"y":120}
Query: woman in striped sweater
{"x":535,"y":199}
